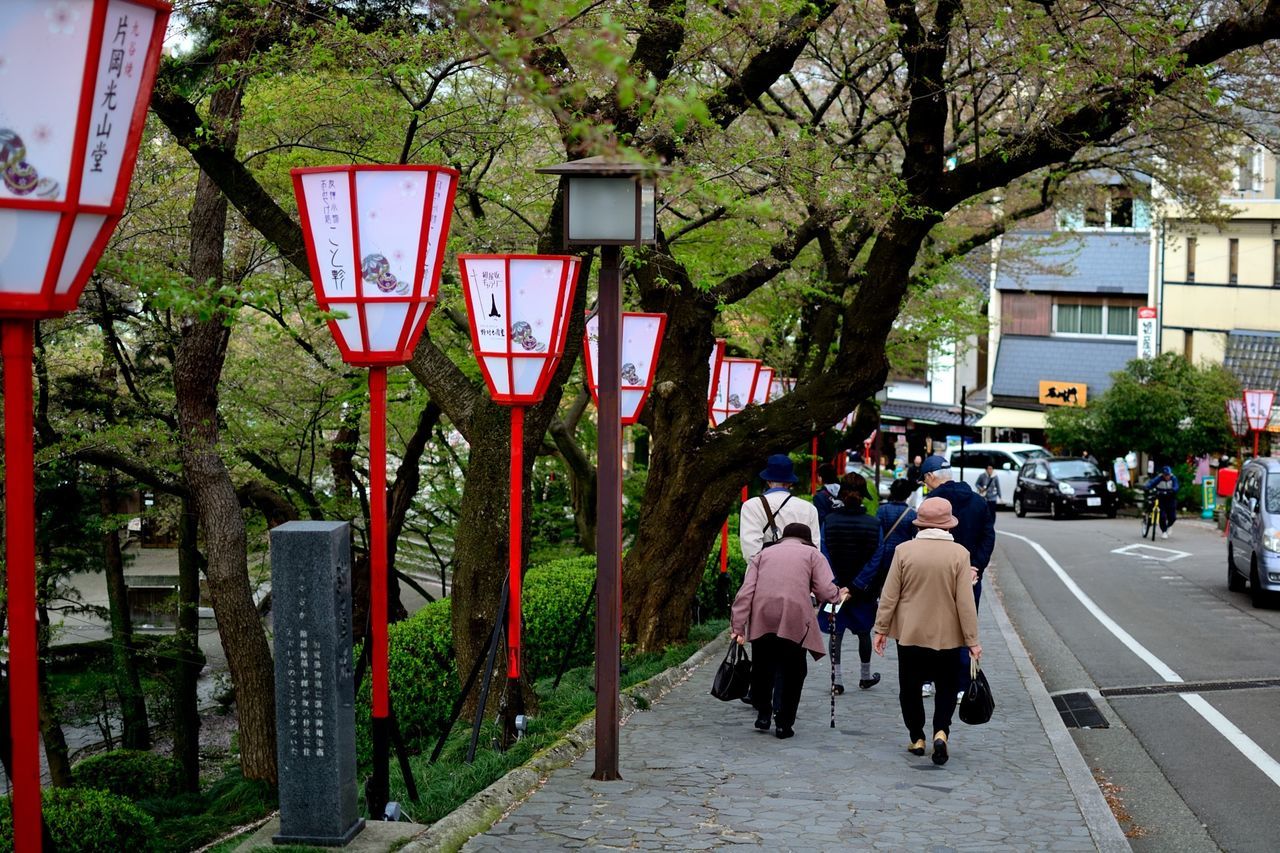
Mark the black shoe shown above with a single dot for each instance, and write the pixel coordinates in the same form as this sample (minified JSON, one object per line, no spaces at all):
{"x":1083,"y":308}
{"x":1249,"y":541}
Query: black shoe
{"x":838,"y":689}
{"x":868,"y":683}
{"x":940,"y":748}
{"x":783,"y":734}
{"x":762,"y":723}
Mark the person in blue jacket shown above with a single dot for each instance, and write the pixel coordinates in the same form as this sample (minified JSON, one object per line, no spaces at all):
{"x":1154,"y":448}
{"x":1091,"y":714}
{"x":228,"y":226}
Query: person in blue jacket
{"x":825,"y":498}
{"x":1164,"y":486}
{"x":850,"y":538}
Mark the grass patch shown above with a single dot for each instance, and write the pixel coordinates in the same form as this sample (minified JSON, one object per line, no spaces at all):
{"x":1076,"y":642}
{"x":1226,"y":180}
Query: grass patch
{"x":450,"y":782}
{"x":188,"y":821}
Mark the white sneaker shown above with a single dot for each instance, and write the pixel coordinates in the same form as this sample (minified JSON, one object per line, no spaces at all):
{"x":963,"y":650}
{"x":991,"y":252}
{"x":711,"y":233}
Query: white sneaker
{"x":959,"y":695}
{"x":1164,"y":535}
{"x":927,"y":689}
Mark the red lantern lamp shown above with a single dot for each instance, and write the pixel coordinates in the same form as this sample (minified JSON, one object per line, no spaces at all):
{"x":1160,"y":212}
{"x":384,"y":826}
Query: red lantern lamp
{"x":781,"y":385}
{"x":764,"y":387}
{"x":375,"y":239}
{"x":641,"y":342}
{"x":79,"y":80}
{"x":518,"y":306}
{"x":716,"y":360}
{"x":735,"y":388}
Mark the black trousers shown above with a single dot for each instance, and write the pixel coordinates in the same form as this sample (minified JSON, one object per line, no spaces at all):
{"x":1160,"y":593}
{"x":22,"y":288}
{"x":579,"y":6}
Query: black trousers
{"x":916,"y":665}
{"x":772,"y":655}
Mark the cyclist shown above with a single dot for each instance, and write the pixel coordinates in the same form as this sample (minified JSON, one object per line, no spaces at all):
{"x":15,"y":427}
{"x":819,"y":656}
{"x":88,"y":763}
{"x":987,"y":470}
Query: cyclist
{"x":1163,"y":487}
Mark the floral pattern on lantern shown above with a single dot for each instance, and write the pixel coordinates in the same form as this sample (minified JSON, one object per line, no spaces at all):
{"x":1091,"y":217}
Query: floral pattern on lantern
{"x":735,"y":388}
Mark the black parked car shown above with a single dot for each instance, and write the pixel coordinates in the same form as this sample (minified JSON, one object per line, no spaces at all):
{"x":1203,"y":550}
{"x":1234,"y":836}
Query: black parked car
{"x":1063,"y":485}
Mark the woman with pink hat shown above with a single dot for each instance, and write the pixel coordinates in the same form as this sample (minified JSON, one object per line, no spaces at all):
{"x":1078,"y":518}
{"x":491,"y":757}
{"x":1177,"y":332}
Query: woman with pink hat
{"x":927,"y":606}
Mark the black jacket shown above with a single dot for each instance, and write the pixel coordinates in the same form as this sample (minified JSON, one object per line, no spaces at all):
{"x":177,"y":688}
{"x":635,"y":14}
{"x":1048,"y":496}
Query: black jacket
{"x":977,"y":528}
{"x":849,"y":539}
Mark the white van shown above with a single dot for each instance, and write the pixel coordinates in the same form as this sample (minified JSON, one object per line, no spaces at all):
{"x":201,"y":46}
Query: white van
{"x":1006,"y":457}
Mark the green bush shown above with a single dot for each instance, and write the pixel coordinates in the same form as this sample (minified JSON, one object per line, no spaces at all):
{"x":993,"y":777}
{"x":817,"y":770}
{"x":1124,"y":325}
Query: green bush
{"x":424,"y":680}
{"x":708,"y":599}
{"x":129,"y":773}
{"x":553,"y":597}
{"x":82,"y":820}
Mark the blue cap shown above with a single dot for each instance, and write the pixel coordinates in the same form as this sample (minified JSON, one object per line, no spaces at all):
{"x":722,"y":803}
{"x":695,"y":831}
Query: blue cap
{"x":932,"y":464}
{"x":779,"y":470}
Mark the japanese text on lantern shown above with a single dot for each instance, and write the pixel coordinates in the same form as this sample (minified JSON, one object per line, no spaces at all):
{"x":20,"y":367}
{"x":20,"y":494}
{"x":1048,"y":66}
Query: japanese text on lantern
{"x":306,"y":704}
{"x":491,"y":325}
{"x":123,"y":47}
{"x":332,"y":218}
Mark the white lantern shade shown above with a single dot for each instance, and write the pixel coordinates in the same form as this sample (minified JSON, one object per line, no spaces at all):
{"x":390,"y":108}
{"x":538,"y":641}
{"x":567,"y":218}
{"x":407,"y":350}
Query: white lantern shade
{"x":735,"y":388}
{"x":375,"y":241}
{"x":76,"y":77}
{"x":717,"y":358}
{"x":780,"y":385}
{"x":518,"y":310}
{"x":764,"y":386}
{"x":1257,"y":408}
{"x":641,"y":343}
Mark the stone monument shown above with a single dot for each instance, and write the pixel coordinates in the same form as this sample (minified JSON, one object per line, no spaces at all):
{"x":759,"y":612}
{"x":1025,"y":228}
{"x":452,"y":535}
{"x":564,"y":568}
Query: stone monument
{"x":315,"y":690}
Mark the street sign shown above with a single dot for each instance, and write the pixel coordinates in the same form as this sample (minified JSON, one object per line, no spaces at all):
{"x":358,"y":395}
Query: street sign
{"x":1147,"y":331}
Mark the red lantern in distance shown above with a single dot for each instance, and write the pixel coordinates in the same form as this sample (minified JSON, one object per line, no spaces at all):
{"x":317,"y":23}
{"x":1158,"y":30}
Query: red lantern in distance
{"x":764,"y":387}
{"x":641,"y":342}
{"x":375,"y":240}
{"x":735,"y":388}
{"x":716,"y":360}
{"x":518,"y":308}
{"x":79,"y":80}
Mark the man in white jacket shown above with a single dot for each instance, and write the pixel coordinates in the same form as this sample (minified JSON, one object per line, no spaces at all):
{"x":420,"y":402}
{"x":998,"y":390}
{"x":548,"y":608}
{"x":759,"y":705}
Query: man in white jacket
{"x":755,"y":529}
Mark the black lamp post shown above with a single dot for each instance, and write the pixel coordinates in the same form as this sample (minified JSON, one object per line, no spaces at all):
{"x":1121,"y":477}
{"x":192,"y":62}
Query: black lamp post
{"x":608,"y":203}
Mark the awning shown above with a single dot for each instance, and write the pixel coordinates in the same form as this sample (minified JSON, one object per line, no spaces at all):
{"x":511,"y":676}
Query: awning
{"x":1003,"y":418}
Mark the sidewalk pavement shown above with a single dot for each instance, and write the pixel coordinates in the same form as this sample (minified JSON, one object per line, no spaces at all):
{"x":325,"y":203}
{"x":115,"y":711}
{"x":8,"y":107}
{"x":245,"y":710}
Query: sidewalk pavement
{"x":697,"y":775}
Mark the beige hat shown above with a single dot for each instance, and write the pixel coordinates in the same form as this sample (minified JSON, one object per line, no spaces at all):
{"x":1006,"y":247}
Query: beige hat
{"x":935,"y":512}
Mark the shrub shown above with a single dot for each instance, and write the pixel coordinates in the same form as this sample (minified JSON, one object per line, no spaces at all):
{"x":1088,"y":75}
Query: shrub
{"x":129,"y":773}
{"x":424,"y":679}
{"x":553,"y":596}
{"x":708,"y":598}
{"x":82,"y":820}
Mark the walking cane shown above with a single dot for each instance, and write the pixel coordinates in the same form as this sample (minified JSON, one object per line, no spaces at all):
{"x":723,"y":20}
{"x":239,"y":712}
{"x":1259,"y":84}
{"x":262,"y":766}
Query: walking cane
{"x":831,"y":647}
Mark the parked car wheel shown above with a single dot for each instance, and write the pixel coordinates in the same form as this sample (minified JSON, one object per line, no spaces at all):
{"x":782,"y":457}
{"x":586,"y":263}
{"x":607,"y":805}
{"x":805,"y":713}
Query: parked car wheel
{"x":1235,"y":583}
{"x":1257,"y":595}
{"x":1056,"y":510}
{"x":1019,"y":508}
{"x":1111,"y":513}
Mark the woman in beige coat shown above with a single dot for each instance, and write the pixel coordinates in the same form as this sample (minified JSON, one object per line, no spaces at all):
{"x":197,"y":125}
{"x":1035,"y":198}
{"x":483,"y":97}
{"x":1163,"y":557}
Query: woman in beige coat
{"x":927,"y":606}
{"x":773,"y":610}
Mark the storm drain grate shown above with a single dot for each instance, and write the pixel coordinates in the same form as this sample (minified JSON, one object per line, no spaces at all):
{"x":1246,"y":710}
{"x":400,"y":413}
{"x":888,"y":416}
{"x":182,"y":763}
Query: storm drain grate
{"x":1079,"y":712}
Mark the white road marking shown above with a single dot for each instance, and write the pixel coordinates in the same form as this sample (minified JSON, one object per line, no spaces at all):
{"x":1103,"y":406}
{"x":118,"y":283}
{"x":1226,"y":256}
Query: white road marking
{"x":1248,"y":747}
{"x":1136,"y":550}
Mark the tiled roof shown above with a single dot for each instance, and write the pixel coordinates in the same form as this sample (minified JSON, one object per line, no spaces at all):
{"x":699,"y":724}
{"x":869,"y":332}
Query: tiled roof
{"x":1023,"y":362}
{"x":1254,"y":357}
{"x":1075,"y":262}
{"x":925,"y":412}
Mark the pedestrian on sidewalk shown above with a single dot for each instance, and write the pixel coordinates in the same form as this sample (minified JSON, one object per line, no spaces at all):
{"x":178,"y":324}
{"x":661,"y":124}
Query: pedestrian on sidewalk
{"x":989,"y":488}
{"x":849,"y":541}
{"x":774,"y":611}
{"x":762,"y":519}
{"x":826,"y":498}
{"x":928,"y":607}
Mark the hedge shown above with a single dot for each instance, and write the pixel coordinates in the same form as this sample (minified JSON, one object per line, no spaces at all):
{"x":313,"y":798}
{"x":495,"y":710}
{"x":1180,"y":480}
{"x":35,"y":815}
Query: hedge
{"x":424,"y":678}
{"x":130,"y":773}
{"x":708,"y":598}
{"x":82,"y":820}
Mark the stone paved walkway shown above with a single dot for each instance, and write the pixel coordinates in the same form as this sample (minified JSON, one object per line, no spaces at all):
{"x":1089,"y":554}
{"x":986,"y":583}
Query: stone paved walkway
{"x":697,"y":775}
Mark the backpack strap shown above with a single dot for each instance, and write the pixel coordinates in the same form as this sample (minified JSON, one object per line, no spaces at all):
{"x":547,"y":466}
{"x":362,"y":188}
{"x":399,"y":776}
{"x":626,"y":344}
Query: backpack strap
{"x":772,"y":518}
{"x":896,"y":523}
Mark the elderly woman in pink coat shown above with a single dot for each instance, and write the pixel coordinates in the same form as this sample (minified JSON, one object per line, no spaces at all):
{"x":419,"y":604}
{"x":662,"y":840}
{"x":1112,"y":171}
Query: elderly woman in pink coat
{"x":773,"y":610}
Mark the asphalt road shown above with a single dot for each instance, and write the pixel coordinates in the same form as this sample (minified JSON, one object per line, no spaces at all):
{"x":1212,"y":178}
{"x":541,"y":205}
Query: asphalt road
{"x":1184,"y":773}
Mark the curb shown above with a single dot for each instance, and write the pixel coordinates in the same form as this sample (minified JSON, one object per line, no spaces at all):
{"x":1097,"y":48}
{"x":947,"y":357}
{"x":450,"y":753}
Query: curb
{"x":1103,"y":826}
{"x":484,"y":809}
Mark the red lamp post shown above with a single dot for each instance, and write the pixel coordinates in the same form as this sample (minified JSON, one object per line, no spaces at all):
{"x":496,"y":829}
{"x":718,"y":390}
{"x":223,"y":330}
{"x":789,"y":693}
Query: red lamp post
{"x":375,"y":240}
{"x":641,"y":343}
{"x":518,"y":307}
{"x":71,"y":125}
{"x":1257,"y":409}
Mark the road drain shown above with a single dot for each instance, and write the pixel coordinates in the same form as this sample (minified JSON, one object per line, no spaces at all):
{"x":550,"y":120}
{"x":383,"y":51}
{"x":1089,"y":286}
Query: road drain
{"x":1079,"y":712}
{"x":1189,"y":687}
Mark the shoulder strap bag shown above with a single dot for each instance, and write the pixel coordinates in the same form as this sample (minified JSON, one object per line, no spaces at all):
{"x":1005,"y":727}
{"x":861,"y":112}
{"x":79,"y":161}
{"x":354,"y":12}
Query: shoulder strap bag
{"x":770,"y":528}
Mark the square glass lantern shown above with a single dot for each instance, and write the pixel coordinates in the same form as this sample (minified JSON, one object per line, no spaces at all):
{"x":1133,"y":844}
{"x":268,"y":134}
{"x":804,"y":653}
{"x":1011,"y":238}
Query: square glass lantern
{"x":608,"y":202}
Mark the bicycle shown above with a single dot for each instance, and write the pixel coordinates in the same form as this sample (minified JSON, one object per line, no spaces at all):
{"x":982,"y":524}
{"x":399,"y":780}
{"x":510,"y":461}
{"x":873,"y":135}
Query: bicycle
{"x":1151,"y":516}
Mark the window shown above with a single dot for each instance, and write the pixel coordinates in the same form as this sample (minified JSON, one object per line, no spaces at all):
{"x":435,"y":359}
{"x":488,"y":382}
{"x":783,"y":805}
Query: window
{"x":1094,"y":216}
{"x":1275,"y":262}
{"x":1121,"y":212}
{"x":1119,"y":321}
{"x":1191,"y":259}
{"x":1233,"y":261}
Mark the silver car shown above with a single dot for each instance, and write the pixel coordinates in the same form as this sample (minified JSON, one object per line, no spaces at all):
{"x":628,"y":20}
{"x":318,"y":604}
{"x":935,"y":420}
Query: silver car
{"x":1253,"y":546}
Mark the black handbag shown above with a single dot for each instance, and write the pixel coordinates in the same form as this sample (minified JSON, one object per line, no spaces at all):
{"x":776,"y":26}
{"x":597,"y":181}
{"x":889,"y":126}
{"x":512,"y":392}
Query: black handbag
{"x":977,"y":704}
{"x":733,"y":677}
